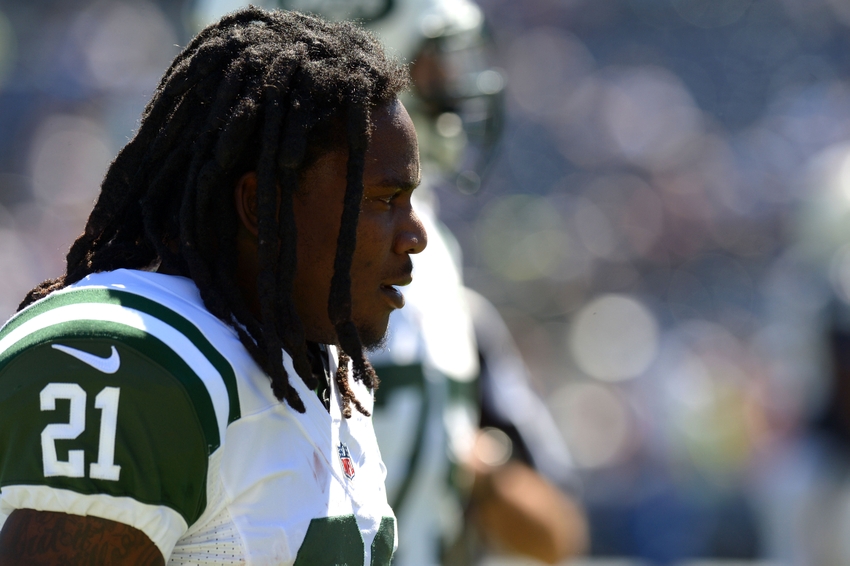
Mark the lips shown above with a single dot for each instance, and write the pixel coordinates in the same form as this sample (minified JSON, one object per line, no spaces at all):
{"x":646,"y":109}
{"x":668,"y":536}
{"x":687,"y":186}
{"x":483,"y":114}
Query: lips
{"x":393,"y":296}
{"x":391,"y":292}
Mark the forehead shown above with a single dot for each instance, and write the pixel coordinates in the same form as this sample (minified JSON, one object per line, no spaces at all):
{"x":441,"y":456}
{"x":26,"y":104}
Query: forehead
{"x":393,"y":153}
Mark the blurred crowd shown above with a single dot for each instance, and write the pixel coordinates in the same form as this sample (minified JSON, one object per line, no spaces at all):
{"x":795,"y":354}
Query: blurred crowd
{"x":664,"y":227}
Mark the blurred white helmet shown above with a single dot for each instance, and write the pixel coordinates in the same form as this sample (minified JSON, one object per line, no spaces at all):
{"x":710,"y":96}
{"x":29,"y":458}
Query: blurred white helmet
{"x":456,"y":103}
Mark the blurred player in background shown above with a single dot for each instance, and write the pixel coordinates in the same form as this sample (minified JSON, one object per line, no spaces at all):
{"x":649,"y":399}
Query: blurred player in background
{"x":461,"y":431}
{"x":804,"y":485}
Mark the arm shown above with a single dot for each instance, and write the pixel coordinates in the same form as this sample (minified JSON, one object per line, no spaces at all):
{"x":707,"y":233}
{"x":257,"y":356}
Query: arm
{"x":516,"y":508}
{"x":519,"y":500}
{"x":36,"y":538}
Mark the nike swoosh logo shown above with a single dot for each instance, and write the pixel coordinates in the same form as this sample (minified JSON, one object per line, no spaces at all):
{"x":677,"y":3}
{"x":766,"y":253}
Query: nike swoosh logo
{"x":106,"y":365}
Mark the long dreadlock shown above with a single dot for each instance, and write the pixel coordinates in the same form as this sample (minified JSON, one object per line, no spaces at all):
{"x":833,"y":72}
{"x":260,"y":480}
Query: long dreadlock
{"x":258,"y":91}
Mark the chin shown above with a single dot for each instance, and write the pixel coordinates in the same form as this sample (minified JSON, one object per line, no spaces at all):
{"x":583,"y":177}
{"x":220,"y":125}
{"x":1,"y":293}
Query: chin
{"x":373,"y":337}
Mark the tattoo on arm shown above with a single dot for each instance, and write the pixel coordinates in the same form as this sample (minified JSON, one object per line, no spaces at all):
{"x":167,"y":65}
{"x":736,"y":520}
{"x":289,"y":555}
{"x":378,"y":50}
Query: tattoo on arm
{"x":33,"y":538}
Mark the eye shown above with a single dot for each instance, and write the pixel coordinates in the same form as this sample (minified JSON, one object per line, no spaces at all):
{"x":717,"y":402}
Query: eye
{"x":386,"y":198}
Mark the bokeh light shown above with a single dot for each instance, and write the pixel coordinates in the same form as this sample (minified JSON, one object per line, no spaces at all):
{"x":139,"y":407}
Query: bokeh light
{"x":651,"y":116}
{"x":126,"y":45}
{"x":712,"y":400}
{"x":18,"y":265}
{"x":546,"y":67}
{"x":596,"y":423}
{"x":613,"y":338}
{"x":522,"y":238}
{"x":68,"y":159}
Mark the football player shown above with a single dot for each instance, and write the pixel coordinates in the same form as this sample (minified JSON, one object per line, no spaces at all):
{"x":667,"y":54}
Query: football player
{"x":470,"y":448}
{"x":193,"y":389}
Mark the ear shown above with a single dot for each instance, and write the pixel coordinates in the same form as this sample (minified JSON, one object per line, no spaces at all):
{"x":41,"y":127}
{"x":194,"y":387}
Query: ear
{"x":245,"y":199}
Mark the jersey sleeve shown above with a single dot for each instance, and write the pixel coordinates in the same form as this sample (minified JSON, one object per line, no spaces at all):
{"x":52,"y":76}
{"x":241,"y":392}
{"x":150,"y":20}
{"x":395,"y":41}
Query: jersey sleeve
{"x":106,"y":420}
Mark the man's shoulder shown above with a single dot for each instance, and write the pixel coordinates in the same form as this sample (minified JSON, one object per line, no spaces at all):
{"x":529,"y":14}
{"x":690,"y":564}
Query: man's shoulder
{"x":106,"y":381}
{"x":167,"y":297}
{"x":135,"y":328}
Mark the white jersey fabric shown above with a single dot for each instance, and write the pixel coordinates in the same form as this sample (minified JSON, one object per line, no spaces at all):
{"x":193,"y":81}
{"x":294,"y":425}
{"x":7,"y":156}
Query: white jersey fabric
{"x":124,"y":398}
{"x":435,"y":394}
{"x":427,"y":411}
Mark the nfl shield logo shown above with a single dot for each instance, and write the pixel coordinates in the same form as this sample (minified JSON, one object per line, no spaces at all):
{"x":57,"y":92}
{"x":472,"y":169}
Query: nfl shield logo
{"x":345,"y":458}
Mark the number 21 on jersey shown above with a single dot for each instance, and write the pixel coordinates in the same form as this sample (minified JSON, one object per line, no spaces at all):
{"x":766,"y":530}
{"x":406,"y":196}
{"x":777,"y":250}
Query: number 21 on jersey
{"x":104,"y":468}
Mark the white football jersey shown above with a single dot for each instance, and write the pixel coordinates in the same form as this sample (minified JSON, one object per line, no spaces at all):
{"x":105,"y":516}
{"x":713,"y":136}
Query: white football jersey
{"x":122,"y":397}
{"x":426,"y":414}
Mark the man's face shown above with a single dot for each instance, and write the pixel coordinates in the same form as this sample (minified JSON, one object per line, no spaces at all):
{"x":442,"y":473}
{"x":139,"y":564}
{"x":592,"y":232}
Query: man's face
{"x":387,"y":233}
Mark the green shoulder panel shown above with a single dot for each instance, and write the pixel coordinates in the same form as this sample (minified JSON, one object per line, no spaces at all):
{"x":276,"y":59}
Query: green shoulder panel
{"x":103,"y":408}
{"x":98,"y":296}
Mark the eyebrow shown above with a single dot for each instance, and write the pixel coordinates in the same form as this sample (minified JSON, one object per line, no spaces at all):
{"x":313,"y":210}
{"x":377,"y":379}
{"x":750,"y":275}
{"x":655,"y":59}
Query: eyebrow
{"x":403,"y":183}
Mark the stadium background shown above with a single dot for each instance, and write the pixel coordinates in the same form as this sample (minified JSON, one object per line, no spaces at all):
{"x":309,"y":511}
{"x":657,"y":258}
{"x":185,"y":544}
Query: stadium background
{"x":661,"y":228}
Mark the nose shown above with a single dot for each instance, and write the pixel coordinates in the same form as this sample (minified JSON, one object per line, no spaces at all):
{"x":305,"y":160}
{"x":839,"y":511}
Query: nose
{"x":412,"y":237}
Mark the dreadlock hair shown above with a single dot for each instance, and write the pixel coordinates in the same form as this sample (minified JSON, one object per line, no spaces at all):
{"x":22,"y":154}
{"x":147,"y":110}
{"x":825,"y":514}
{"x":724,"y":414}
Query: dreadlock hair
{"x":258,"y":91}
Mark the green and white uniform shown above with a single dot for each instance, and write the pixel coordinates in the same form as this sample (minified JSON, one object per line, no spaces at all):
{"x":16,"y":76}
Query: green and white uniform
{"x":426,"y":414}
{"x":450,"y":368}
{"x":122,"y":397}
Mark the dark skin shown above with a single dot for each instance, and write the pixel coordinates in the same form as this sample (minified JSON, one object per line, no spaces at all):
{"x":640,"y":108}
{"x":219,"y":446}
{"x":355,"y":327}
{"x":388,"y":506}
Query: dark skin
{"x":518,"y":509}
{"x":388,"y":233}
{"x":44,"y":538}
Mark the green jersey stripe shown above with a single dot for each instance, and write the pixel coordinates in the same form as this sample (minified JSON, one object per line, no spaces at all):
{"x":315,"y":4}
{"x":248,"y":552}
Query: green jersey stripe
{"x":147,"y":306}
{"x":157,"y":351}
{"x":411,"y":375}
